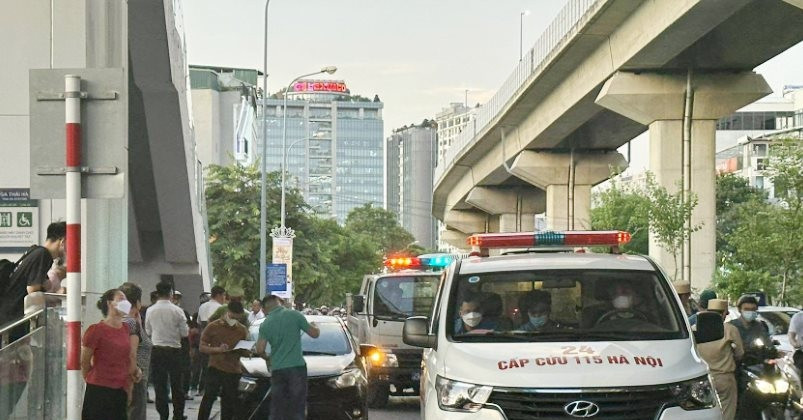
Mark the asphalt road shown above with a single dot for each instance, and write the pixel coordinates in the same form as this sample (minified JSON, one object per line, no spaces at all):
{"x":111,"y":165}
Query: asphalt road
{"x":399,"y":408}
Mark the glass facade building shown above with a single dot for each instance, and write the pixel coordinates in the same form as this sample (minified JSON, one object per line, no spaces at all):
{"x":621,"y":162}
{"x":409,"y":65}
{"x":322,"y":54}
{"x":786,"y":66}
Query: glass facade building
{"x":335,"y":146}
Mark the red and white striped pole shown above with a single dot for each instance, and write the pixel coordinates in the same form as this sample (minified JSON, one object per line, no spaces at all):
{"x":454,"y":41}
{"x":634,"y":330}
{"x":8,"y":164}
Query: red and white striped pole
{"x":72,"y":113}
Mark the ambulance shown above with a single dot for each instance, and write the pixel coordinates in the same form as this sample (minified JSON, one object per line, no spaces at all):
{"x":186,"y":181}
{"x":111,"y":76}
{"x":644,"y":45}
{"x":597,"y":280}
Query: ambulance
{"x":376,"y":316}
{"x":534,"y":334}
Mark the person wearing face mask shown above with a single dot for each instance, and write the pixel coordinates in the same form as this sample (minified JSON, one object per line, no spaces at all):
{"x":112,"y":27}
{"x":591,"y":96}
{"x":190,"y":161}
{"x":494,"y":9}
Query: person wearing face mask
{"x":538,"y":306}
{"x":622,"y":307}
{"x":471,"y":318}
{"x":106,"y":361}
{"x":223,"y":372}
{"x":721,"y":356}
{"x":753,"y":332}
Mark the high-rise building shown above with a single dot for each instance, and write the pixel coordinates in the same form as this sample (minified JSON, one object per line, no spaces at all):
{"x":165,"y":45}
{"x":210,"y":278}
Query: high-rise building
{"x":223,"y":112}
{"x":334,"y":145}
{"x":411,"y":154}
{"x":451,"y":122}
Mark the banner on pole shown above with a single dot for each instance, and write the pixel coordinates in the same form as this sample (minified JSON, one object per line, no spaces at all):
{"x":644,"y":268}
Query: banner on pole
{"x":283,"y":254}
{"x":276,"y":277}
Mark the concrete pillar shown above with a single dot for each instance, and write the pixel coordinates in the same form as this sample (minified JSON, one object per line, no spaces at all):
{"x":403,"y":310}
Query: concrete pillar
{"x":514,"y":207}
{"x":550,"y":171}
{"x":466,"y":221}
{"x":657,"y":100}
{"x":454,"y":238}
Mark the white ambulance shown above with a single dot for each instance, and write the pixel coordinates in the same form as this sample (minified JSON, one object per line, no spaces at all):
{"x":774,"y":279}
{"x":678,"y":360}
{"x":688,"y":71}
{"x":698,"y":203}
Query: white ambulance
{"x":560,"y":335}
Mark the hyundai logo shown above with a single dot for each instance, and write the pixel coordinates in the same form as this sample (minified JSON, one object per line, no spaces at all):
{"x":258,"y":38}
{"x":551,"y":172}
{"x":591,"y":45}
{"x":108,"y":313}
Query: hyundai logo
{"x":582,"y":409}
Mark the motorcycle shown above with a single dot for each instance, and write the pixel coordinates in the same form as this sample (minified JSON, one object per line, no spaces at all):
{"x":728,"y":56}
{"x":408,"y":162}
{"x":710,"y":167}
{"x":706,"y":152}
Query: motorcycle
{"x":790,"y":369}
{"x":764,"y":389}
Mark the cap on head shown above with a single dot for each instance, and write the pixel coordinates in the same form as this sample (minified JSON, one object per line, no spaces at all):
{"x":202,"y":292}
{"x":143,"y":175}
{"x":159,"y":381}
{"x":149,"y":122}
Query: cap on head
{"x":718,"y":305}
{"x":683,"y":287}
{"x":176,"y":293}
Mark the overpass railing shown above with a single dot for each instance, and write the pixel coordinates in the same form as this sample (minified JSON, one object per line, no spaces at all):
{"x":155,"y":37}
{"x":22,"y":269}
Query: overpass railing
{"x":567,"y":23}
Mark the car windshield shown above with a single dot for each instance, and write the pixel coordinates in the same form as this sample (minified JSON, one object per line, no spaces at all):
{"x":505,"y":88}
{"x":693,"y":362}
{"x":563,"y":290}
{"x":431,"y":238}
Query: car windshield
{"x":564,"y":305}
{"x":331,"y":342}
{"x":403,"y":297}
{"x":777,"y":321}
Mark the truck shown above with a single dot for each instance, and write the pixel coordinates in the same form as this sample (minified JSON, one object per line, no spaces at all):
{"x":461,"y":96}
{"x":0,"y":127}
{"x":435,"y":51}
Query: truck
{"x":376,"y":315}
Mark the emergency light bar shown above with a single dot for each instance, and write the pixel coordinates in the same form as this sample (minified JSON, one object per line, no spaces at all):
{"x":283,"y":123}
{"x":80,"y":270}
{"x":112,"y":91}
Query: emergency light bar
{"x":422,"y":261}
{"x":548,"y":238}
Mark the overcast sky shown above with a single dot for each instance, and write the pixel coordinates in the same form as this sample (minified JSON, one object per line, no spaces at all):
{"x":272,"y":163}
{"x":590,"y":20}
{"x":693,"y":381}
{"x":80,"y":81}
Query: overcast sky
{"x":417,"y":55}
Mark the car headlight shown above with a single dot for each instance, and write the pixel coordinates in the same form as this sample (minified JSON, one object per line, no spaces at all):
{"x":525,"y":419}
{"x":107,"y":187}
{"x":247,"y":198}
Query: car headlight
{"x":695,"y":394}
{"x":246,"y":385}
{"x":780,"y":386}
{"x":381,"y":358}
{"x":461,"y":396}
{"x":347,"y":379}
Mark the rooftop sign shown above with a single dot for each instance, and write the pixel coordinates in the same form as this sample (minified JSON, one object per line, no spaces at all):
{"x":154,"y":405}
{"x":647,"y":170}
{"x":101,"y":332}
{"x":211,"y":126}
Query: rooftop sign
{"x":320,"y":86}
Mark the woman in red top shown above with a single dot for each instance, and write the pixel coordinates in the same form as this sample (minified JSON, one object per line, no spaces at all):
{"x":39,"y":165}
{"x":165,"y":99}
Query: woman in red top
{"x":106,"y":361}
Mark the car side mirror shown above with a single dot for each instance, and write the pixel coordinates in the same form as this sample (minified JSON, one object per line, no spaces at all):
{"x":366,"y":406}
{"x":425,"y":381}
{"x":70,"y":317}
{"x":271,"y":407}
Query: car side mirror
{"x":358,"y":304}
{"x":710,"y":327}
{"x":415,"y":333}
{"x":367,"y":349}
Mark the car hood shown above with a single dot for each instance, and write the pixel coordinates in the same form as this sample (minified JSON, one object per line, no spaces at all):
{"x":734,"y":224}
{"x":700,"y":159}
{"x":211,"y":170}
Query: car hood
{"x":574,"y":364}
{"x":316,"y":365}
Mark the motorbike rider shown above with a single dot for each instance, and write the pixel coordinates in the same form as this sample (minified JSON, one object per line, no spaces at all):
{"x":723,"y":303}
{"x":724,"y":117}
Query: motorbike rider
{"x":753,"y":332}
{"x":721,"y":357}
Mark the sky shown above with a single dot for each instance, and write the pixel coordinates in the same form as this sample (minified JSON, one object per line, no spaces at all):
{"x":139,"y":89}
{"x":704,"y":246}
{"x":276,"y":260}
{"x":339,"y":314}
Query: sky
{"x":417,"y":55}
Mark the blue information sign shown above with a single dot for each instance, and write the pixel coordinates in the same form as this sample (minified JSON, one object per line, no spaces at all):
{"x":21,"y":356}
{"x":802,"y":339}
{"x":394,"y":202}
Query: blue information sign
{"x":276,"y":277}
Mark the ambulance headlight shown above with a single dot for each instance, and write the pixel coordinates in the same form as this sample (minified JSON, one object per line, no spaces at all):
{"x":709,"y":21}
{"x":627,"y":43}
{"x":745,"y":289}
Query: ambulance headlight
{"x":695,"y":394}
{"x":461,"y":396}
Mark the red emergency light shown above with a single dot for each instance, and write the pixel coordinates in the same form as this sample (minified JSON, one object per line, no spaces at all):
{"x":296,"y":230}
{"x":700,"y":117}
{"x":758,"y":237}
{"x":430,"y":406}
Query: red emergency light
{"x":534,"y":239}
{"x":403,"y":262}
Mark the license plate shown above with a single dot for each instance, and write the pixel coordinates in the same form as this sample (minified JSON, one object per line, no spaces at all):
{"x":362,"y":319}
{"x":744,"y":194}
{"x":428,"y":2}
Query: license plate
{"x":416,"y":376}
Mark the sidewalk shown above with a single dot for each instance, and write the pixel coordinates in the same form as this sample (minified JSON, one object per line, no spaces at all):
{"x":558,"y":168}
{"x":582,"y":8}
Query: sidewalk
{"x":190,"y":409}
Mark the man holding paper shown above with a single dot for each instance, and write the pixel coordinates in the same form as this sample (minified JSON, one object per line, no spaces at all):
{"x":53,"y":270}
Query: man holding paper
{"x":219,"y":340}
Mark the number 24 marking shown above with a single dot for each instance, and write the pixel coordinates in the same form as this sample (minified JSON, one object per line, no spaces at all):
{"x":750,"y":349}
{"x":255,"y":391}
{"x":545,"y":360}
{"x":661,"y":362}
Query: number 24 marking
{"x":574,"y":350}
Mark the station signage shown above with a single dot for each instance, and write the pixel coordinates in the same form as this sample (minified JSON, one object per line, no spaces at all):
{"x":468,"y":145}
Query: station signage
{"x":323,"y":86}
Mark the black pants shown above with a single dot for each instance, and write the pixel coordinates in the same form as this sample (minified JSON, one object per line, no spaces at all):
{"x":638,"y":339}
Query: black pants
{"x":223,"y":384}
{"x":166,"y":366}
{"x":101,"y":403}
{"x":288,"y":389}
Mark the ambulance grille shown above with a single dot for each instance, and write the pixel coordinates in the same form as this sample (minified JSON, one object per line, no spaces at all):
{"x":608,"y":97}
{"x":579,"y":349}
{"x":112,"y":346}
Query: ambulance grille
{"x":614,"y":404}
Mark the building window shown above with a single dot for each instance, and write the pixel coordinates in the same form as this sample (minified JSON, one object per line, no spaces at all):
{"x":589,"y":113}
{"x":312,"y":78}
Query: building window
{"x":759,"y":182}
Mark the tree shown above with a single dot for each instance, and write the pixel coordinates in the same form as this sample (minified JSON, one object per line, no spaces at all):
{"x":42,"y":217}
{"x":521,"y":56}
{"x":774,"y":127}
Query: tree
{"x":766,"y":246}
{"x":668,"y":213}
{"x":732,"y":191}
{"x":620,"y":208}
{"x":379,"y":226}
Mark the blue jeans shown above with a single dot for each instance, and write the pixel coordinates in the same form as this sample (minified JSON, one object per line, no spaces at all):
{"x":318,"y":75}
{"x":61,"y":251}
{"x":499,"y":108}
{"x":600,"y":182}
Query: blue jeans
{"x":288,"y":389}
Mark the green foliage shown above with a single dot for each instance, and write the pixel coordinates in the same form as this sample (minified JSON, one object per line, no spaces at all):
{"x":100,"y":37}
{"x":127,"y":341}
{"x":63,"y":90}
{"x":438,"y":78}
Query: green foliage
{"x":764,"y":238}
{"x":668,"y":213}
{"x":620,"y":208}
{"x":329,"y":260}
{"x":732,"y":191}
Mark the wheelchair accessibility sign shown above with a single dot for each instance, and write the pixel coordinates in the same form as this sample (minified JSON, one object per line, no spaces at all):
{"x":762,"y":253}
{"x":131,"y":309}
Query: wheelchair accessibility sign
{"x":19,"y":218}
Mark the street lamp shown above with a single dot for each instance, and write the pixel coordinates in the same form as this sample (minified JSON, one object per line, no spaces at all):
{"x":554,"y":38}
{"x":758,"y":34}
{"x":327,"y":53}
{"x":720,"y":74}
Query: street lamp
{"x":521,"y":33}
{"x":263,"y":224}
{"x":283,"y":231}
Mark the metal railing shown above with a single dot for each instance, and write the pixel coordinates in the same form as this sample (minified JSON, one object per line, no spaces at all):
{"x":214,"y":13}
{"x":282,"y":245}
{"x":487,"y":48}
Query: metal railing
{"x":565,"y":26}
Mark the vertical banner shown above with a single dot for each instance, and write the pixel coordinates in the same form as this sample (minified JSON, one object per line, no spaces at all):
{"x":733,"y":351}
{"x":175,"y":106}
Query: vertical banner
{"x":19,"y":218}
{"x":283,"y":254}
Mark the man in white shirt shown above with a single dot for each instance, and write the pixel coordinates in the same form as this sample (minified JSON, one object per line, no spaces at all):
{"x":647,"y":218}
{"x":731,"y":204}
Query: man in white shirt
{"x":166,"y":324}
{"x":796,"y":338}
{"x":256,"y":312}
{"x":216,"y":300}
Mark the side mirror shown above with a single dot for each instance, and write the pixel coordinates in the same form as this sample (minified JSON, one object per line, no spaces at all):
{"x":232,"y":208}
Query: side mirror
{"x":366,"y":349}
{"x":358,"y":304}
{"x":709,"y":327}
{"x":415,"y":333}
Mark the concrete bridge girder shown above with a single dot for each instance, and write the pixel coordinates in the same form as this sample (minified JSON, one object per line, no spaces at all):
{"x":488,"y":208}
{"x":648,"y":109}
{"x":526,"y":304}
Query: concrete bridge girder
{"x":466,"y":221}
{"x":657,"y":100}
{"x":455,"y":238}
{"x":513,"y":208}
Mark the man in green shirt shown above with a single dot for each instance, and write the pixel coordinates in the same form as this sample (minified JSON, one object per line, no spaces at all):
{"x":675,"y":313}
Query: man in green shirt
{"x":282,"y":328}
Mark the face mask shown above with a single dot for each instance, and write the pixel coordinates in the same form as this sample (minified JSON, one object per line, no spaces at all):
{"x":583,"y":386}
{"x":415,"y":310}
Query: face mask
{"x":622,"y":302}
{"x":231,"y":321}
{"x":750,"y":316}
{"x":472,"y":319}
{"x":537,"y":321}
{"x":123,"y":306}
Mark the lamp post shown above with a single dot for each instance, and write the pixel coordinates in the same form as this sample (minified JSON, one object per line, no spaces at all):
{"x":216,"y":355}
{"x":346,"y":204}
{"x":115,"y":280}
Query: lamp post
{"x":263,"y":224}
{"x":521,"y":33}
{"x":284,"y":231}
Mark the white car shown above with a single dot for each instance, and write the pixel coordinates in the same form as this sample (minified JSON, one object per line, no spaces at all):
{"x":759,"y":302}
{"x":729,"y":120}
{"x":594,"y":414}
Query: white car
{"x":777,"y":319}
{"x":616,"y":343}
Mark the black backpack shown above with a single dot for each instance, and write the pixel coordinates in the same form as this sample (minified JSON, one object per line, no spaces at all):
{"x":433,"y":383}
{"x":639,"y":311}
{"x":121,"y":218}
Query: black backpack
{"x":7,"y":286}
